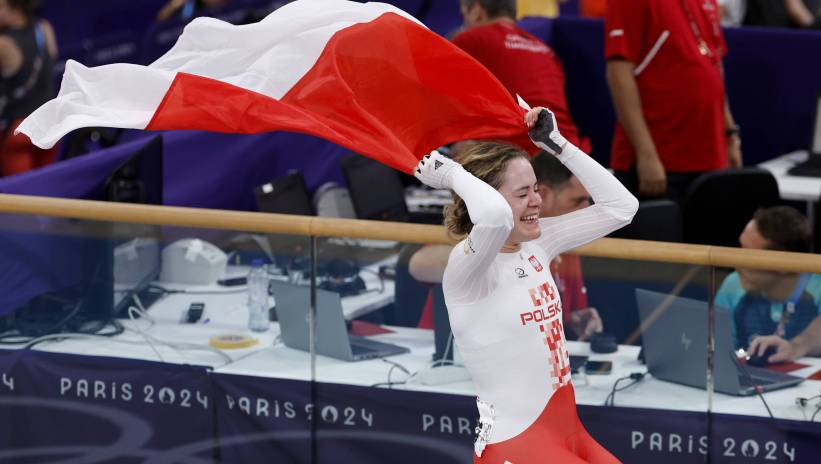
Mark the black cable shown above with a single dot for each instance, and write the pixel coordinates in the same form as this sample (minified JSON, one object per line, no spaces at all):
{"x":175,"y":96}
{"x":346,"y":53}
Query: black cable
{"x":817,"y":410}
{"x":195,"y":292}
{"x":394,"y":365}
{"x":757,"y":388}
{"x":636,"y":377}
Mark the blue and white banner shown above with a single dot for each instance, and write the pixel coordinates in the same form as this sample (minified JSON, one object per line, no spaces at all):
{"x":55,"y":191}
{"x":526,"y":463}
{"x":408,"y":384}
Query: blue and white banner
{"x":57,"y":407}
{"x":263,"y":417}
{"x":673,"y":437}
{"x":99,"y":409}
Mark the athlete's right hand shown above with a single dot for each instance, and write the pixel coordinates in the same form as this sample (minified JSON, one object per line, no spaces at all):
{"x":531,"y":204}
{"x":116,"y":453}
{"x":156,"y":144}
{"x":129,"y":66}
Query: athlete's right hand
{"x":436,"y":170}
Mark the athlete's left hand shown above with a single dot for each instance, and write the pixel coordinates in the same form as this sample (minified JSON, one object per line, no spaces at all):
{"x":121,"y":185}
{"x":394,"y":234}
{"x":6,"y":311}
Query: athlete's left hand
{"x":544,"y":132}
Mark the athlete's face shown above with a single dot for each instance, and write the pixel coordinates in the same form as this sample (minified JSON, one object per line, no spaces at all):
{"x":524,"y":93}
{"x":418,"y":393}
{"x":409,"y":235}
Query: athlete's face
{"x":519,"y":189}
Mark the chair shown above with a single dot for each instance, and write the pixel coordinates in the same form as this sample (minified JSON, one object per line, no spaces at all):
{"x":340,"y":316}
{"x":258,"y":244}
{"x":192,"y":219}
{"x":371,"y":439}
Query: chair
{"x":658,"y":220}
{"x":719,"y":204}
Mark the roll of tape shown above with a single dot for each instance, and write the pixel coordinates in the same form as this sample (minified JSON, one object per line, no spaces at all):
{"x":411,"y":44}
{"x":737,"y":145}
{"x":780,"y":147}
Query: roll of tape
{"x":231,"y":342}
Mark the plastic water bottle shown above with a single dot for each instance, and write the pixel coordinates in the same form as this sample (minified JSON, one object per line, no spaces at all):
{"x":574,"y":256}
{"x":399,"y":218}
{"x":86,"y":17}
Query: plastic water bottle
{"x":258,"y":297}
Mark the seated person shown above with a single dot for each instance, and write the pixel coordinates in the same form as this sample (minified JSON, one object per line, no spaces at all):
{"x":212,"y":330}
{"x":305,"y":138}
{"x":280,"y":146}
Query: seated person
{"x":776,"y":306}
{"x":561,"y":193}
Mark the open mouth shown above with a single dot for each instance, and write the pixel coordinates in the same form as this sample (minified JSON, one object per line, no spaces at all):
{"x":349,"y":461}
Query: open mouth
{"x":530,"y":219}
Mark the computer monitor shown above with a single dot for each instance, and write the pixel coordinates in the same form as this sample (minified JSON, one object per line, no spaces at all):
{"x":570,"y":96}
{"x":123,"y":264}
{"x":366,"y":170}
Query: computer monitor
{"x":136,"y":260}
{"x":62,"y":273}
{"x":285,"y":195}
{"x":138,"y":179}
{"x":376,"y":189}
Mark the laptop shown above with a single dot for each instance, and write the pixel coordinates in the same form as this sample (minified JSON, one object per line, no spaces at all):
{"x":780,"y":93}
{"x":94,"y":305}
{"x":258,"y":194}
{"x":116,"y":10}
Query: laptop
{"x":332,"y":338}
{"x":675,"y":346}
{"x":812,"y":166}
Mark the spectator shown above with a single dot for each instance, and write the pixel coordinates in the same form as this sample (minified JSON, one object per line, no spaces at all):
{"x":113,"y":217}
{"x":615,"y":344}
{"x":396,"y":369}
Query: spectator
{"x":772,"y":304}
{"x":27,"y":51}
{"x":663,"y":69}
{"x":525,"y":65}
{"x":561,"y":193}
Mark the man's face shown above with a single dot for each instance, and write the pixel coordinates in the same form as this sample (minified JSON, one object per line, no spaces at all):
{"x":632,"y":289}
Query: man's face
{"x":570,"y":197}
{"x":472,"y":13}
{"x":755,"y":279}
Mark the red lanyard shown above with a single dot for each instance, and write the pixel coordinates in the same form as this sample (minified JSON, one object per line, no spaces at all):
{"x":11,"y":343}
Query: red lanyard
{"x":703,"y":47}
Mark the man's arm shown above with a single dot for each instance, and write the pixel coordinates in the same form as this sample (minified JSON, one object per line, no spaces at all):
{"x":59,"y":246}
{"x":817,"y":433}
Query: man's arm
{"x":627,"y":100}
{"x":807,"y":343}
{"x":428,"y":263}
{"x":799,"y":13}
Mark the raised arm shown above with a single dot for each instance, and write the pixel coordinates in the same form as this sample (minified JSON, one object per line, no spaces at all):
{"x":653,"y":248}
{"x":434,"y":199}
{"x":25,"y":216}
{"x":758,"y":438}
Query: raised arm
{"x":466,"y":275}
{"x":614,"y":205}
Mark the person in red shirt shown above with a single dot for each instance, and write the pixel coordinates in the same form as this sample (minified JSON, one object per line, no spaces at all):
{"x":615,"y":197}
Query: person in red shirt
{"x":525,"y":65}
{"x":665,"y":75}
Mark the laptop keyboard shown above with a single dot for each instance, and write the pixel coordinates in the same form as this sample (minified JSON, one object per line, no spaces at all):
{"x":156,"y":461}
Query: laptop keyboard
{"x":760,"y":377}
{"x":363,"y":345}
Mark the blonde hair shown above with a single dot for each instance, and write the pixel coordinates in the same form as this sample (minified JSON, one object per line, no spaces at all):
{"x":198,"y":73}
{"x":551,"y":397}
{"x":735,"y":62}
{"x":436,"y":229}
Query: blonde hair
{"x":487,"y":161}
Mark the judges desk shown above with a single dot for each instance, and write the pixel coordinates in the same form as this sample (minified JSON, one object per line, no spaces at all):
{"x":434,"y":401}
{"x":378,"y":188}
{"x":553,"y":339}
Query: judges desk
{"x":244,"y":386}
{"x":280,"y":361}
{"x":653,"y":421}
{"x":155,"y":336}
{"x":796,"y":188}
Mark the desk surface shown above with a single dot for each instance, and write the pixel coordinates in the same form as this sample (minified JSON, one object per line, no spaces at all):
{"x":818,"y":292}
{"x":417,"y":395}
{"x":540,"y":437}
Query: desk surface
{"x":793,"y":187}
{"x":226,"y":313}
{"x":282,"y":362}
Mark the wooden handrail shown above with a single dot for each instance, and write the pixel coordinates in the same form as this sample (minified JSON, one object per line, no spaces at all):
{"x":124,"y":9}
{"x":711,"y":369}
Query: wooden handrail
{"x":409,"y":233}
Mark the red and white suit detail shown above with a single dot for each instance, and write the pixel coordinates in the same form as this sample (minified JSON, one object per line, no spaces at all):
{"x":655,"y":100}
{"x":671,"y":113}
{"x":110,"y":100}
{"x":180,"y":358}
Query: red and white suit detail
{"x":506,"y":316}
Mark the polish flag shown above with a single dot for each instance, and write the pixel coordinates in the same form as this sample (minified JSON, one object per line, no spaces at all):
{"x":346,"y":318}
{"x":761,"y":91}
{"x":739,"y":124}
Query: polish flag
{"x":368,"y":77}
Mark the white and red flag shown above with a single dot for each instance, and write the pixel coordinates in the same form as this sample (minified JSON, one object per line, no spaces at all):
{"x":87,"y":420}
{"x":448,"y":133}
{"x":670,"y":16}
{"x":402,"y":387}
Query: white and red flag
{"x":368,"y":77}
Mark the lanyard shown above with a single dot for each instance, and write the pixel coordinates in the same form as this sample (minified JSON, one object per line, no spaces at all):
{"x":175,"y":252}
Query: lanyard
{"x":703,"y":47}
{"x":789,"y":306}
